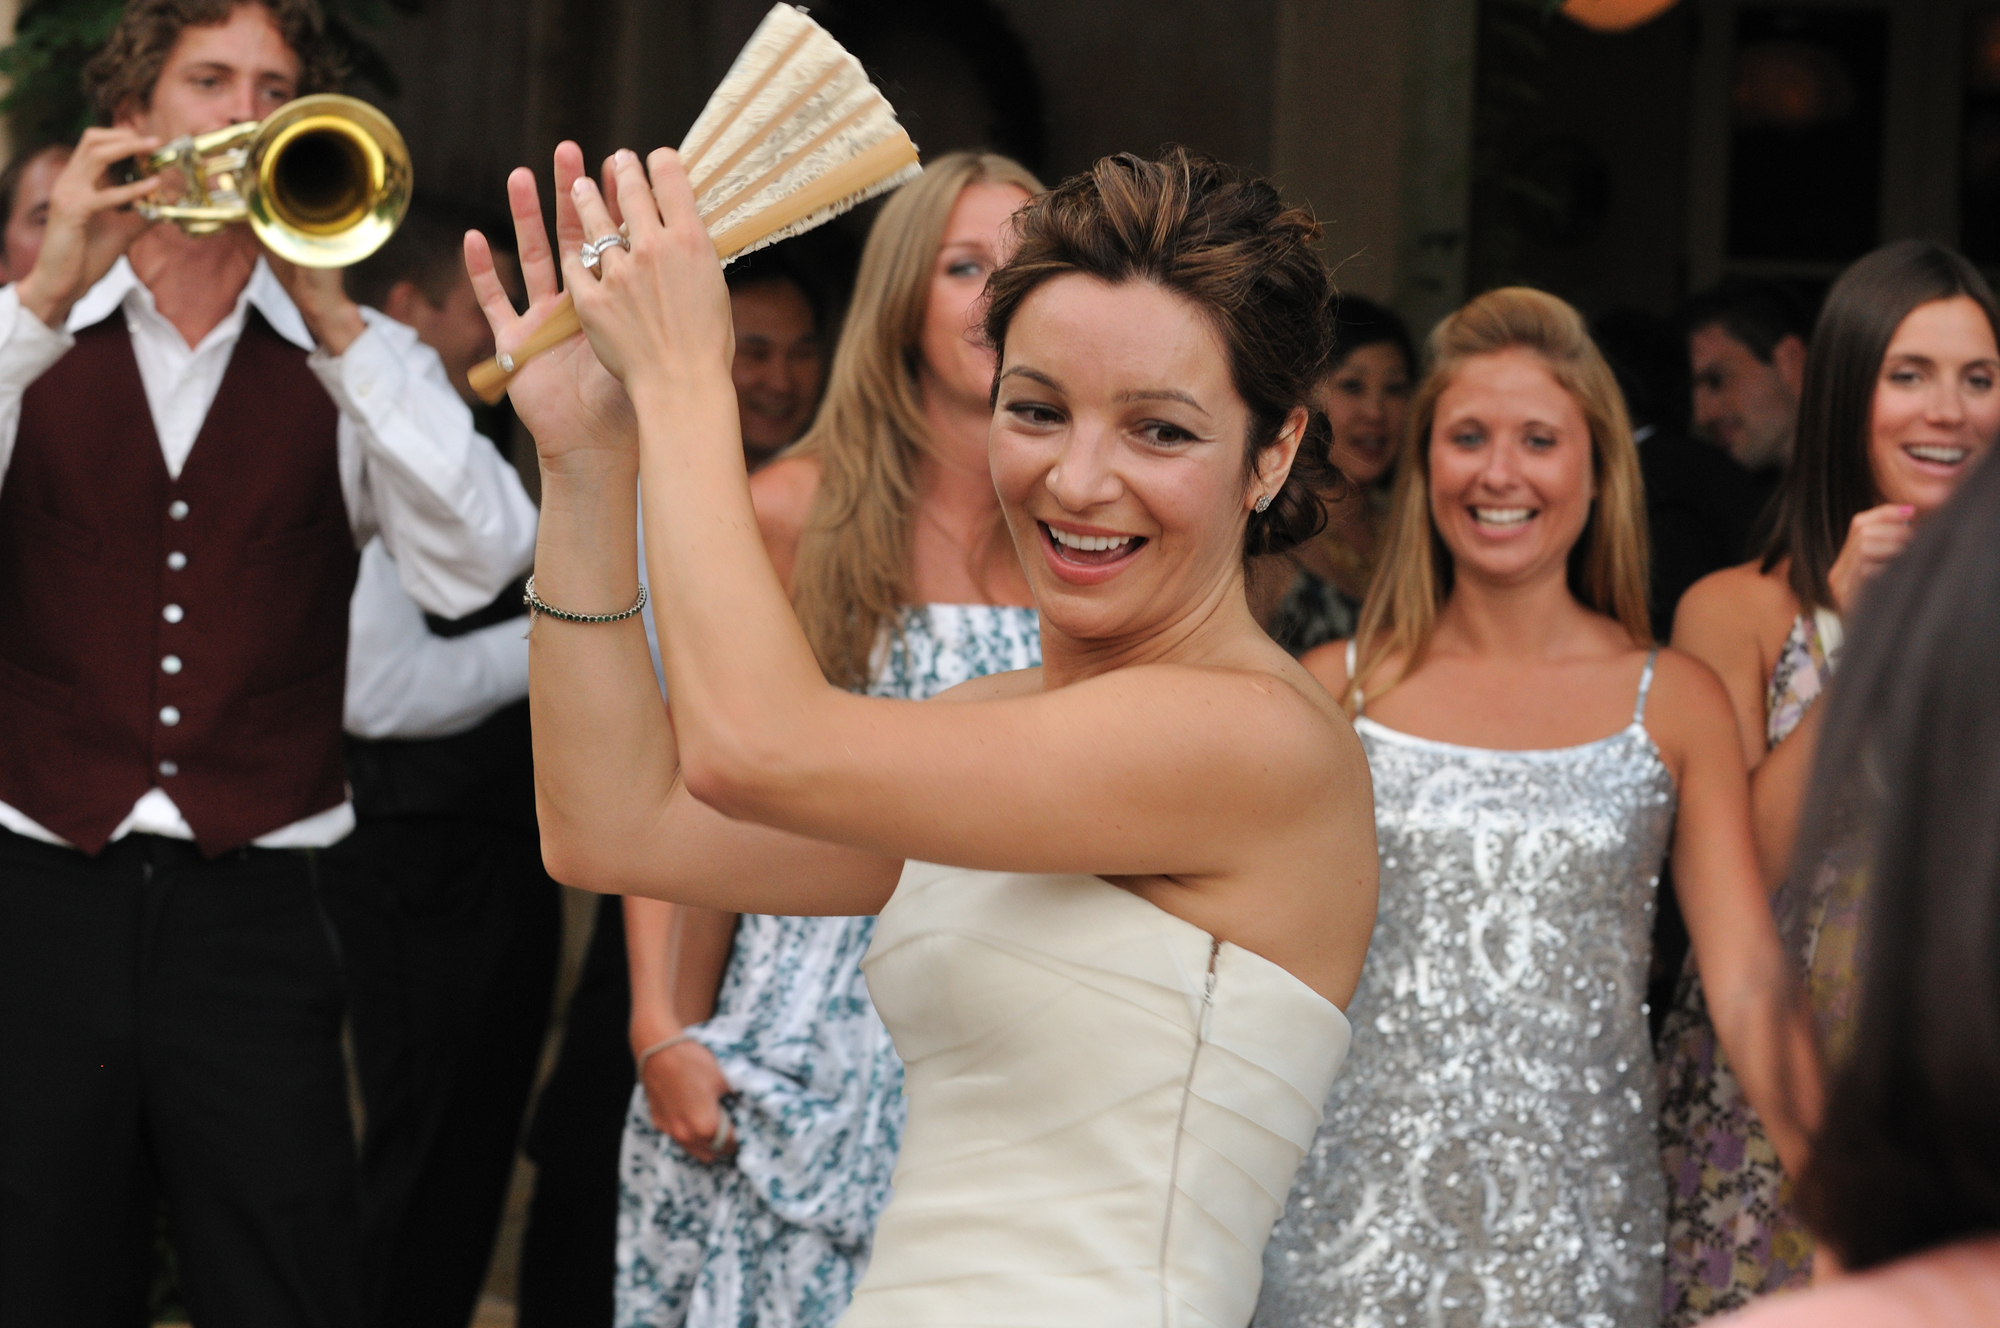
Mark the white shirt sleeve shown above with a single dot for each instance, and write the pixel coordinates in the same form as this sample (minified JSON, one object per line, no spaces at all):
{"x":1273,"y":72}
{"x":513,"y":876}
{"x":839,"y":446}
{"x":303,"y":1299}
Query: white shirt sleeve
{"x":447,"y":505}
{"x":404,"y":681}
{"x":29,"y":348}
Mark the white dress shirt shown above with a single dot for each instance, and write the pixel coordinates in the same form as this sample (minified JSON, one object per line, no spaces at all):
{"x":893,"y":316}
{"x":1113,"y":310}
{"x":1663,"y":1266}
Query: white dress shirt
{"x":405,"y":681}
{"x":413,"y":470}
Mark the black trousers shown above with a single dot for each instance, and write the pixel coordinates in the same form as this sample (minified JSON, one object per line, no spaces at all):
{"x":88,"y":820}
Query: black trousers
{"x":451,"y":930}
{"x":569,"y":1254}
{"x":171,"y":1026}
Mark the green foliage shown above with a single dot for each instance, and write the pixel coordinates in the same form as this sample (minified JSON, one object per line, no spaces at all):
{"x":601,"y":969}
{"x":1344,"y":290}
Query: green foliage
{"x":53,"y":39}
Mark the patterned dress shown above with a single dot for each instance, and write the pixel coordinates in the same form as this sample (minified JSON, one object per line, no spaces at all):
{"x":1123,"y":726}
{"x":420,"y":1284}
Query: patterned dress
{"x":1731,"y":1234}
{"x":1488,"y":1156}
{"x":778,"y":1235}
{"x":1314,"y":610}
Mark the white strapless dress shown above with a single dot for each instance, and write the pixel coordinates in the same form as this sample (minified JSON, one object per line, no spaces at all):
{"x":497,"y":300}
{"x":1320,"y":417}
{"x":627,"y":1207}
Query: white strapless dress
{"x":1106,"y":1106}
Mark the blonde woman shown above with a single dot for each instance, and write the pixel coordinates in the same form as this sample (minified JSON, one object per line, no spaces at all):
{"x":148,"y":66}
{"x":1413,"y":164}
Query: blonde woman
{"x":760,"y":1140}
{"x":1490,"y":1156}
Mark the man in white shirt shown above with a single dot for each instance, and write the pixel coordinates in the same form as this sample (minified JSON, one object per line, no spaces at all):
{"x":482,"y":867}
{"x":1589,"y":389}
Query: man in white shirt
{"x":450,"y":925}
{"x":195,"y":440}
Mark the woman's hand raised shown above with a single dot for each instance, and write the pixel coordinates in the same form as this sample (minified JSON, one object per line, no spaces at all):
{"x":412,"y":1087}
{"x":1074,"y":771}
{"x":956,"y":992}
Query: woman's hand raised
{"x":580,"y":417}
{"x":1874,"y":539}
{"x":659,"y":317}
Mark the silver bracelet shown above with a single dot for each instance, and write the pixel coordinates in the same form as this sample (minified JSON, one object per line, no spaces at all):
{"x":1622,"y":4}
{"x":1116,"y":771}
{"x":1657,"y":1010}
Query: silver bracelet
{"x":536,"y":605}
{"x":648,"y":1053}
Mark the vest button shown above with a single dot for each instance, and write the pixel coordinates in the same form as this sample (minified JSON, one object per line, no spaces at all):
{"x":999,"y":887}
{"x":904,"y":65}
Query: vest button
{"x":169,"y":769}
{"x":172,"y":613}
{"x":176,"y":560}
{"x":171,"y":664}
{"x":177,"y":509}
{"x":170,"y":715}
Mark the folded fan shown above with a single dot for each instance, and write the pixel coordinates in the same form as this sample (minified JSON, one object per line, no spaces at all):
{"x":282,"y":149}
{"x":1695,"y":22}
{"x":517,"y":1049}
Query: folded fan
{"x":794,"y":136}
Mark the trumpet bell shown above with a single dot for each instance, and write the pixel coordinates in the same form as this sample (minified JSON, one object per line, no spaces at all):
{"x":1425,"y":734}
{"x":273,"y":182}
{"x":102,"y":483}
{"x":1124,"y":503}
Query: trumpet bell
{"x":323,"y":180}
{"x":332,"y":181}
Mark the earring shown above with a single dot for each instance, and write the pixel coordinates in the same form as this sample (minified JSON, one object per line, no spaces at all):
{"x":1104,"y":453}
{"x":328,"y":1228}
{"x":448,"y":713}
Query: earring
{"x":1264,"y":503}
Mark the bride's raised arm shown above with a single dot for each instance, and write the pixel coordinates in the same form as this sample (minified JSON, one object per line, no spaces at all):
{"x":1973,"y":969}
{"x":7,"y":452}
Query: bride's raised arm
{"x":1163,"y":741}
{"x":614,"y":815}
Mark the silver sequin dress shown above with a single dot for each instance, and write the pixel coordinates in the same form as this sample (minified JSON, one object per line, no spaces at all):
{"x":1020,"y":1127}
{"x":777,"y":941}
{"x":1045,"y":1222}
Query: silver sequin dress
{"x":1488,"y":1158}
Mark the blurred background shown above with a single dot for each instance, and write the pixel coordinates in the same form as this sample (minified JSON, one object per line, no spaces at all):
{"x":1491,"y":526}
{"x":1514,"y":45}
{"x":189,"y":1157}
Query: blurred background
{"x":1620,"y":153}
{"x":1448,"y":145}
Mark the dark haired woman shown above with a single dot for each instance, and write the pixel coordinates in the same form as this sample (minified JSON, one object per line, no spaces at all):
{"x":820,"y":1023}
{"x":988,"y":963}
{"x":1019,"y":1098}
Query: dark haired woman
{"x":1489,"y":1156}
{"x":1118,"y":1007}
{"x":1902,"y":398}
{"x":1904,"y":1182}
{"x":1366,"y":398}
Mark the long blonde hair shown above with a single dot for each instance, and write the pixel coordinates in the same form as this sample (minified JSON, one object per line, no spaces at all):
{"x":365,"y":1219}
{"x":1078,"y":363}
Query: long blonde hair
{"x":853,"y":568}
{"x":1607,"y":568}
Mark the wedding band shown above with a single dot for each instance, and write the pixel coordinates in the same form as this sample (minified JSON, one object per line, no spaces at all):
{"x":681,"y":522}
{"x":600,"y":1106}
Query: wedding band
{"x":591,"y":252}
{"x":724,"y":1130}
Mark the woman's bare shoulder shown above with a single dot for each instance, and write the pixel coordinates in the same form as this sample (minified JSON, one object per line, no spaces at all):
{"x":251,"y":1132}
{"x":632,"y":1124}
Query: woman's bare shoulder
{"x":1686,"y":686}
{"x":782,"y":496}
{"x":1328,"y":666}
{"x":1744,"y":597}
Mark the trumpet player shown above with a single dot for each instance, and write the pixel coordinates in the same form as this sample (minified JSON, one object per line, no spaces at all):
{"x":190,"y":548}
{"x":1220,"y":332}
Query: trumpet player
{"x":196,"y":437}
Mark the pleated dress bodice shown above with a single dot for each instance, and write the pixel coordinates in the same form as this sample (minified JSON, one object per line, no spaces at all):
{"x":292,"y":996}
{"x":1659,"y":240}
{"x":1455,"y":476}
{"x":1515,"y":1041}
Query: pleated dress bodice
{"x":1106,"y":1106}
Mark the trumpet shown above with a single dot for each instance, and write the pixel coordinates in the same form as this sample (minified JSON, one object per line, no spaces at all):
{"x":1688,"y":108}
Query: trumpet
{"x":323,"y":180}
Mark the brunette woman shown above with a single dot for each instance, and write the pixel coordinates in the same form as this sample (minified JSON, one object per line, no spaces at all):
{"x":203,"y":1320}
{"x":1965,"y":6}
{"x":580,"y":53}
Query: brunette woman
{"x":1904,"y":1182}
{"x":884,"y":521}
{"x":1902,"y":398}
{"x":1118,"y":1011}
{"x":1490,"y":1156}
{"x":1366,"y":398}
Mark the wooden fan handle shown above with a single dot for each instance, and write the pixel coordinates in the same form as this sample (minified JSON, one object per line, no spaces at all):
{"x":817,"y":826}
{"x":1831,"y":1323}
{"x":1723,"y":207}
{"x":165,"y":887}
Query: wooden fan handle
{"x":490,"y":380}
{"x":892,"y":154}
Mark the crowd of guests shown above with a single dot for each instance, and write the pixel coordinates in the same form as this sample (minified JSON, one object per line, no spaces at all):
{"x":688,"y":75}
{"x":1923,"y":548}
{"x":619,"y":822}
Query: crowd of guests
{"x":764,"y":1121}
{"x":1681,"y":991}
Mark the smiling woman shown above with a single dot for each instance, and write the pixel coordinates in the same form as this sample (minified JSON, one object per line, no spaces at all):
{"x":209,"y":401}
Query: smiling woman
{"x":1492,"y":1147}
{"x":1901,"y":400}
{"x":1087,"y":995}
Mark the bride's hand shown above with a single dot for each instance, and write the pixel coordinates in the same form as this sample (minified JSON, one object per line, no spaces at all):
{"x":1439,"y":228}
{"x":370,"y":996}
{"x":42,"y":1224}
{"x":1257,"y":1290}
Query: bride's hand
{"x":579,"y":415}
{"x":659,"y":318}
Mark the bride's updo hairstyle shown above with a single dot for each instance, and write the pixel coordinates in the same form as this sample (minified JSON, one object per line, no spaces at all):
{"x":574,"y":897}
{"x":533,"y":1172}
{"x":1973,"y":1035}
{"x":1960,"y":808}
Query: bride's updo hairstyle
{"x":1227,"y":243}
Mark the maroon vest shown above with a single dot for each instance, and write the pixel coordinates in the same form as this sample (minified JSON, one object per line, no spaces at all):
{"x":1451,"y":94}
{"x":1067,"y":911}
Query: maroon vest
{"x":191,"y":632}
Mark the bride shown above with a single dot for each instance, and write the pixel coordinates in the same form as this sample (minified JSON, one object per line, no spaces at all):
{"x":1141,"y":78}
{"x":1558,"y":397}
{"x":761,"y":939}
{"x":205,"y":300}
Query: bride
{"x":1118,"y":996}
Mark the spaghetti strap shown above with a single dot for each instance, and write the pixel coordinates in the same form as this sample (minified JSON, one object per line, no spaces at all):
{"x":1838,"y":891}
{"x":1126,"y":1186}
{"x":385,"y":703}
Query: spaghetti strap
{"x":1831,"y":633}
{"x":1353,"y":683}
{"x":1645,"y":685}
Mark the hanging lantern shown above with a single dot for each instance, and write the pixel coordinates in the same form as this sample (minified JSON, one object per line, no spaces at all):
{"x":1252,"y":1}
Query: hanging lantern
{"x":1614,"y":15}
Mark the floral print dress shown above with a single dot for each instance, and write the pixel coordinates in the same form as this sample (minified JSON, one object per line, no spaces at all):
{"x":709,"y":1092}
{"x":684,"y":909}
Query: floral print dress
{"x":1731,"y":1233}
{"x":777,"y":1235}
